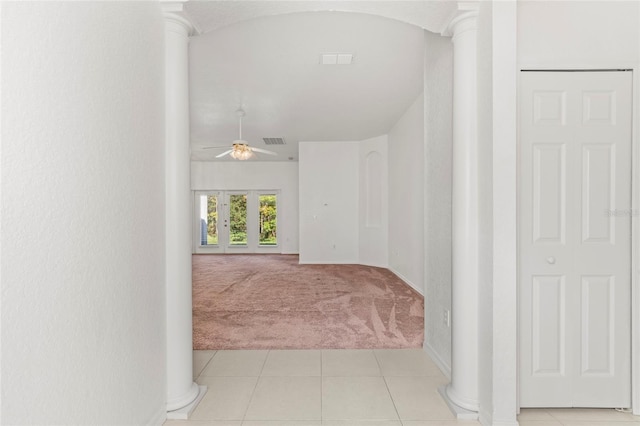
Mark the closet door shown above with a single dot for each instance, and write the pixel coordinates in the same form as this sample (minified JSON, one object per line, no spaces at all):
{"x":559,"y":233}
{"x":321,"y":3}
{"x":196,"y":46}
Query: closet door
{"x":575,"y":239}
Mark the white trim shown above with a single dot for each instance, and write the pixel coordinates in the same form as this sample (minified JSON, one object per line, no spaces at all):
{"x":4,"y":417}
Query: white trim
{"x":197,"y":247}
{"x":458,"y":412}
{"x":408,"y":282}
{"x":635,"y":203}
{"x":175,"y":10}
{"x":488,"y":421}
{"x":635,"y":245}
{"x":385,"y":266}
{"x":517,"y":238}
{"x":185,"y":412}
{"x":1,"y":205}
{"x":158,"y":418}
{"x":444,"y":368}
{"x":504,"y":393}
{"x":502,"y":408}
{"x":622,"y":65}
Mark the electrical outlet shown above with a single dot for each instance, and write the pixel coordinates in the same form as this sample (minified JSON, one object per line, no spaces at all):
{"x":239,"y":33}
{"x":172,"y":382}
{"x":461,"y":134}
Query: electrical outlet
{"x":446,"y":317}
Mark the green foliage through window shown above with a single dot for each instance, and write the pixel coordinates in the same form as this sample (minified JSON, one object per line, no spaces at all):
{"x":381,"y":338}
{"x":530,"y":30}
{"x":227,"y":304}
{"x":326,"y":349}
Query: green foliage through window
{"x":238,"y":219}
{"x":212,"y":219}
{"x":268,"y":213}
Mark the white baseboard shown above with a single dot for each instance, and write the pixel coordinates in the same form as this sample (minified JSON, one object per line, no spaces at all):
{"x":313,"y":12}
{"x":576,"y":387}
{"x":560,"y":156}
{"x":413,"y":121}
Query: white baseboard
{"x":446,"y":370}
{"x":159,"y":417}
{"x":458,"y":412}
{"x":486,"y":420}
{"x":409,"y":283}
{"x":374,"y":265}
{"x":185,"y":412}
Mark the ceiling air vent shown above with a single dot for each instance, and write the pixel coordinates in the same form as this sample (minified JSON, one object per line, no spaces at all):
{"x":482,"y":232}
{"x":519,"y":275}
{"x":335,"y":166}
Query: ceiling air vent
{"x":336,"y":58}
{"x":273,"y":141}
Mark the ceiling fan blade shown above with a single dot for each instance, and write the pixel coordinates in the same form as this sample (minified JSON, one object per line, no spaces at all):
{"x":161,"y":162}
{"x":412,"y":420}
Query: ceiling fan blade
{"x":224,"y":153}
{"x":263,"y":151}
{"x":215,"y":147}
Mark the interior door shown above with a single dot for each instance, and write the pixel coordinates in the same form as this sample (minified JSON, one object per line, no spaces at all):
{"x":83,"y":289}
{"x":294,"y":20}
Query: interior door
{"x":575,"y":239}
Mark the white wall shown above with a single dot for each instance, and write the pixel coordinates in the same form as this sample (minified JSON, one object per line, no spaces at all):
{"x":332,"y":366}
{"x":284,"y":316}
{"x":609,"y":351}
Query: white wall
{"x":578,"y":33}
{"x":438,"y":97}
{"x":374,"y":200}
{"x":267,"y":175}
{"x":406,"y":196}
{"x":329,"y":179}
{"x":82,"y":213}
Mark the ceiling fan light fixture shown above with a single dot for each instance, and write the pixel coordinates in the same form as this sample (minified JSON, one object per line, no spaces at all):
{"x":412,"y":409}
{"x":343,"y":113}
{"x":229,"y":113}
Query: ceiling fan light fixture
{"x":241,"y":151}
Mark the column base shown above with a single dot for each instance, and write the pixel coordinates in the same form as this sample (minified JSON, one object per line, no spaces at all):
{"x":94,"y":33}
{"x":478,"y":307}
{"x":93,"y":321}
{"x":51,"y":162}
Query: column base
{"x":184,"y":412}
{"x":459,"y":412}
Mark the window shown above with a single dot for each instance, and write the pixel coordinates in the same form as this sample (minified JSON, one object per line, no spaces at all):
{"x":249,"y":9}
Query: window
{"x":208,"y":220}
{"x":236,"y":222}
{"x":268,"y":219}
{"x":237,"y":219}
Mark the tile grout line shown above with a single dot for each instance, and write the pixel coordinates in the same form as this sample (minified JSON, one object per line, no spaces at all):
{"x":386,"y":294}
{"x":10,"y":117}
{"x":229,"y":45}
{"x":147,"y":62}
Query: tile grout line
{"x":206,"y":365}
{"x":391,"y":397}
{"x":384,"y":378}
{"x":253,"y":392}
{"x":321,"y":385}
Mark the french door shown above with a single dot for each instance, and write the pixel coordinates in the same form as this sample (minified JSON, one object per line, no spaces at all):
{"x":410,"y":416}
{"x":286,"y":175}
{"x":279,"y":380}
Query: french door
{"x":236,"y":222}
{"x":575,"y":239}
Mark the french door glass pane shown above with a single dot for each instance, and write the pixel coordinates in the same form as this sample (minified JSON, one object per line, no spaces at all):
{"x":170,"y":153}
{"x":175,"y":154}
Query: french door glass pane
{"x":238,"y":219}
{"x":268,"y":220}
{"x":208,"y":220}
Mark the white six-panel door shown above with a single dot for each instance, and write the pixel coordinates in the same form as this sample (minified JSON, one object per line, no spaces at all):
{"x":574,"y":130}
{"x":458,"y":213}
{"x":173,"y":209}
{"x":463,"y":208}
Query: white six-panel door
{"x":575,"y":239}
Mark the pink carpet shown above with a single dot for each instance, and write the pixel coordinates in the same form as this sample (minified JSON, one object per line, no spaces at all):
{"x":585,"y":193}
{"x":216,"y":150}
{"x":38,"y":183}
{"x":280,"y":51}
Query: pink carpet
{"x":272,"y":302}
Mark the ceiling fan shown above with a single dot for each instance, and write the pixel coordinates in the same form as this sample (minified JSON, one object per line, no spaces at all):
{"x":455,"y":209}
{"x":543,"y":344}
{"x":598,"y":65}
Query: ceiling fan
{"x":240,"y":149}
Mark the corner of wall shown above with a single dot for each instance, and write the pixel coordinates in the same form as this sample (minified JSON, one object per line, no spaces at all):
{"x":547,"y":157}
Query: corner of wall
{"x":437,"y":160}
{"x":417,"y":288}
{"x":406,"y":195}
{"x":444,"y":366}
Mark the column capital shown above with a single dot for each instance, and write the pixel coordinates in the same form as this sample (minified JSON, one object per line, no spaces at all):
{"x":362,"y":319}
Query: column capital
{"x":465,"y":18}
{"x":175,"y":14}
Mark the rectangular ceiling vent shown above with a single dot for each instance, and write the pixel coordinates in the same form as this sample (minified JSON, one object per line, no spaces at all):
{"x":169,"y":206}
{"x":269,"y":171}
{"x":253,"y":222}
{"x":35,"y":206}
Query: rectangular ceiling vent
{"x":273,"y":141}
{"x":336,"y":58}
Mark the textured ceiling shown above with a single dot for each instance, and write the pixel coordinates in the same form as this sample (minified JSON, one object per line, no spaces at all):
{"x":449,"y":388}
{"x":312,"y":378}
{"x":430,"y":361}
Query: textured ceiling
{"x":269,"y":66}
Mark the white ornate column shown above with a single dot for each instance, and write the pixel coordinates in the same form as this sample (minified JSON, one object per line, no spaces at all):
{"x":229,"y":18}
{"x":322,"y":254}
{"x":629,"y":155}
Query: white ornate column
{"x":182,"y":392}
{"x":463,"y":389}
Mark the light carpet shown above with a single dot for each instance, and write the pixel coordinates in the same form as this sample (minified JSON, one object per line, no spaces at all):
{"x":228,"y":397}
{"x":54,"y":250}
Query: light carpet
{"x":272,"y":302}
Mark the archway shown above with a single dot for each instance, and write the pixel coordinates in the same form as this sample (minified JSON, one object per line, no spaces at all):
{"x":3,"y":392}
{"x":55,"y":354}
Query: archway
{"x":435,"y":17}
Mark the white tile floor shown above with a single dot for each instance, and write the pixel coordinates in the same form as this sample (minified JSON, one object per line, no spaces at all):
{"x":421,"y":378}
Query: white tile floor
{"x":342,"y":388}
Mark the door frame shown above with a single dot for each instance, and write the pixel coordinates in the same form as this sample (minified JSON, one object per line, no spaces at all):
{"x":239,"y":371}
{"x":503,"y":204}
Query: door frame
{"x":223,"y":247}
{"x":635,"y":208}
{"x":197,"y":247}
